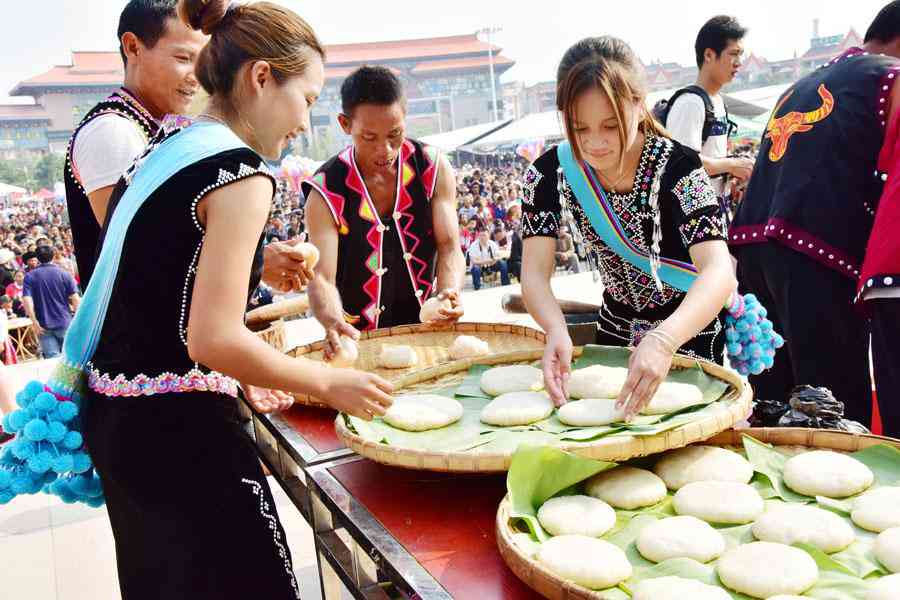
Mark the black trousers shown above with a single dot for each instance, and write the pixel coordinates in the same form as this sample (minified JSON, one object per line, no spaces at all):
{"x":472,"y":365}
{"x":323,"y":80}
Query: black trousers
{"x":886,"y":358}
{"x":190,"y":509}
{"x":826,"y":338}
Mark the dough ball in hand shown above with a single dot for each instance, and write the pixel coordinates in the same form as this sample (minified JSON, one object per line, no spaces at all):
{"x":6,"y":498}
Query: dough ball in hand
{"x":346,"y":354}
{"x":310,"y":254}
{"x":431,"y":309}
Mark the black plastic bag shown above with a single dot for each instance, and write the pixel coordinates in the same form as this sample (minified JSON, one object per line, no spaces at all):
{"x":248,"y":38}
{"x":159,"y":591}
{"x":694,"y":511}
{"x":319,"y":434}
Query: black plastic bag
{"x":817,"y":408}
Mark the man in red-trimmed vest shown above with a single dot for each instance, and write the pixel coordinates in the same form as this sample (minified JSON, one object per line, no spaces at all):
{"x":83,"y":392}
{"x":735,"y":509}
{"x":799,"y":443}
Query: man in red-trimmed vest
{"x":383,"y":215}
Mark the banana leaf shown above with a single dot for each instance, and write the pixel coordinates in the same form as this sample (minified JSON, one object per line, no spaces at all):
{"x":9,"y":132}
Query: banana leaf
{"x":768,"y":463}
{"x":883,"y":460}
{"x":469,"y":434}
{"x":614,"y":356}
{"x":536,"y":472}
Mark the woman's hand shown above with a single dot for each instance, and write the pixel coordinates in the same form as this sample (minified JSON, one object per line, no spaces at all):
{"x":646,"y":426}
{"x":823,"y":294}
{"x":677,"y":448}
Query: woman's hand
{"x":267,"y":401}
{"x":557,"y":365}
{"x":284,"y":268}
{"x":647,"y":368}
{"x":356,"y":393}
{"x":449,"y":316}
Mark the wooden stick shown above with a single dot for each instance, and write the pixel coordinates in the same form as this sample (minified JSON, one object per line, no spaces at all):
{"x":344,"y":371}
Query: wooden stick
{"x":513,"y":303}
{"x":273,"y":312}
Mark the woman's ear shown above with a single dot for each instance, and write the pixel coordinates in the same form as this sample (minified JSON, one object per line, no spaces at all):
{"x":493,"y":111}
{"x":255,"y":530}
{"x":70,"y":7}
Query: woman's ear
{"x":260,"y":75}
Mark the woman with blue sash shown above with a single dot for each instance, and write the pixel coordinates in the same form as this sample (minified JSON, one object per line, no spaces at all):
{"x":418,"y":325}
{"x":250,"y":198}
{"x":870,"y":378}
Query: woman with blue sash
{"x":143,"y":409}
{"x":644,"y":208}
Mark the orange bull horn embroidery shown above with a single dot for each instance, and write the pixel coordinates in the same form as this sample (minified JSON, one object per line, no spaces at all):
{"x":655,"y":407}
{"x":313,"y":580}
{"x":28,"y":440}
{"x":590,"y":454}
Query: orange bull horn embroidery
{"x":780,"y":129}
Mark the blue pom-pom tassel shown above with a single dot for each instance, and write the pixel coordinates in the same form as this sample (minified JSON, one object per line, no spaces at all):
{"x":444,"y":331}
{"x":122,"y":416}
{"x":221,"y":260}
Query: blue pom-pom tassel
{"x":73,"y":440}
{"x":63,"y":463}
{"x":82,"y":462}
{"x":57,"y":432}
{"x":17,"y":420}
{"x":67,"y":411}
{"x":36,"y":430}
{"x":41,"y":462}
{"x":45,"y":401}
{"x":22,"y":449}
{"x":33,"y":388}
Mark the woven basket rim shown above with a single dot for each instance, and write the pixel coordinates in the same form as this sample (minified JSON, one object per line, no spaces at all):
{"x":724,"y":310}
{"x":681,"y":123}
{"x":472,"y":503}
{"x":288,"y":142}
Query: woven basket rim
{"x":466,"y":327}
{"x":737,"y":406}
{"x":552,"y":586}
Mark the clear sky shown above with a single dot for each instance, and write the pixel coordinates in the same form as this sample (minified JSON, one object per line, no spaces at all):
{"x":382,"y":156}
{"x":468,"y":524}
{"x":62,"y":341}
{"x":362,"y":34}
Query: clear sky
{"x":36,"y":34}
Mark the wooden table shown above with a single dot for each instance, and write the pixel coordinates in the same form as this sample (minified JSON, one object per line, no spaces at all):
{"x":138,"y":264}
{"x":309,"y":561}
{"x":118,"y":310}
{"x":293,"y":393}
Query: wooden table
{"x":385,"y":532}
{"x":22,"y":336}
{"x":388,"y":533}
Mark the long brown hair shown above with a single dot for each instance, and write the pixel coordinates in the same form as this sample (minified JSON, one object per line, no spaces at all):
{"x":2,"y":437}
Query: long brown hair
{"x":608,"y":64}
{"x":247,"y":32}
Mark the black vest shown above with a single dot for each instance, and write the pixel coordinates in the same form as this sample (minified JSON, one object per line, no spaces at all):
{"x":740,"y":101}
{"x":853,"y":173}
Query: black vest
{"x":815,"y":183}
{"x":385,"y":265}
{"x":85,"y":229}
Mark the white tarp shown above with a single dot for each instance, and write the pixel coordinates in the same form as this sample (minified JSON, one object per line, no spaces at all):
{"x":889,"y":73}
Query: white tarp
{"x":543,"y":126}
{"x":451,"y":140}
{"x":764,"y":97}
{"x":6,"y":189}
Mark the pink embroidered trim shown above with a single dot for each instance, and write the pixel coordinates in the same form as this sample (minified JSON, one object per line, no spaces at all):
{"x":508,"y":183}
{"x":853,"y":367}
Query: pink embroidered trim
{"x":194,"y":381}
{"x":798,"y":239}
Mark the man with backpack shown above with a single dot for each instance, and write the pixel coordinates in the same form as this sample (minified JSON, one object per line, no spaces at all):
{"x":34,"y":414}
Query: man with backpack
{"x":696,"y":115}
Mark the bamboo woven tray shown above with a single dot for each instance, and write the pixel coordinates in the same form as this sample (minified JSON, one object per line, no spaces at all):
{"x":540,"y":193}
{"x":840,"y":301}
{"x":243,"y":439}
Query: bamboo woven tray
{"x":734,"y":407}
{"x":431,"y":346}
{"x":551,"y":586}
{"x":273,"y":335}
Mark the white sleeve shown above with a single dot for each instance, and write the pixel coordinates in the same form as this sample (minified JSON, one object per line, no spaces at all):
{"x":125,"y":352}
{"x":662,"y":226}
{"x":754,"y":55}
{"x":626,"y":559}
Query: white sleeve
{"x":104,"y":149}
{"x":685,"y":120}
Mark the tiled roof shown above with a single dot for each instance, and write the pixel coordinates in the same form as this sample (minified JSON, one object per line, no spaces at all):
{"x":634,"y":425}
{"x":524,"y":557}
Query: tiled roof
{"x":406,"y":49}
{"x":23,"y":112}
{"x":501,"y":63}
{"x":105,"y":68}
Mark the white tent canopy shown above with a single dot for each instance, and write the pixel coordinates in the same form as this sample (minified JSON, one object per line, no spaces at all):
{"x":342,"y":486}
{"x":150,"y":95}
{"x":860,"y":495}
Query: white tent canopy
{"x":548,"y":125}
{"x":6,"y":189}
{"x":451,"y":140}
{"x":535,"y":126}
{"x":764,"y":97}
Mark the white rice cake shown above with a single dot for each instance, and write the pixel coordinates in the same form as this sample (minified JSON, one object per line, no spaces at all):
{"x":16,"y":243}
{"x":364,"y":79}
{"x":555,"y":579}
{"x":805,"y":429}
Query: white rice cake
{"x":517,"y":408}
{"x":421,"y":412}
{"x":827,"y":473}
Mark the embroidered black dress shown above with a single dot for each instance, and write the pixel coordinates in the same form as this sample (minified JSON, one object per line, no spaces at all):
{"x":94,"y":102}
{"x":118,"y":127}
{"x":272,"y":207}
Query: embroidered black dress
{"x":687,"y":212}
{"x":190,"y":509}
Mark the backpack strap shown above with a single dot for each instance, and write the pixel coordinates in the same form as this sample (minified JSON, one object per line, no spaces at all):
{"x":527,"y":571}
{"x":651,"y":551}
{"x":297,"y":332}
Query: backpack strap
{"x":709,"y":110}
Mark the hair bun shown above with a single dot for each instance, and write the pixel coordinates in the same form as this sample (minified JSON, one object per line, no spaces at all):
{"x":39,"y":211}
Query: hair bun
{"x":204,"y":15}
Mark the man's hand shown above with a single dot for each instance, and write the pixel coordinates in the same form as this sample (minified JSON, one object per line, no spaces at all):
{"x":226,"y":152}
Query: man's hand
{"x":334,"y":329}
{"x":36,"y":328}
{"x":449,"y":316}
{"x":284,"y":268}
{"x":741,"y":168}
